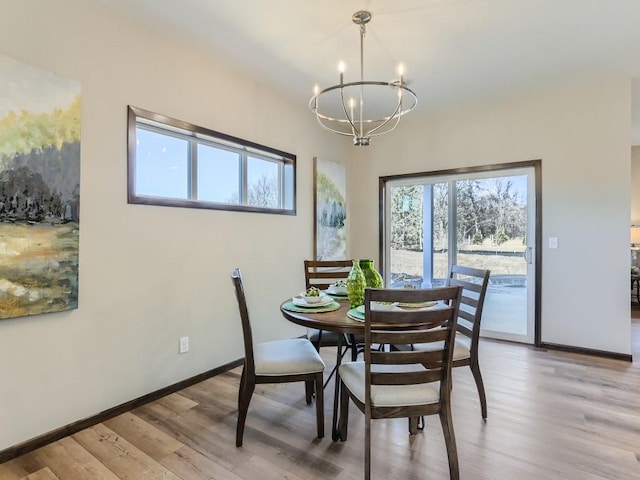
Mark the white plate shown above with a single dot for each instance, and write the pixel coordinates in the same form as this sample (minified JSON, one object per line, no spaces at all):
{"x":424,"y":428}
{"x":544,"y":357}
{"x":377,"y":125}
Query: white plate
{"x":301,"y":302}
{"x":417,"y":305}
{"x":331,"y":291}
{"x":339,"y":291}
{"x":378,"y":306}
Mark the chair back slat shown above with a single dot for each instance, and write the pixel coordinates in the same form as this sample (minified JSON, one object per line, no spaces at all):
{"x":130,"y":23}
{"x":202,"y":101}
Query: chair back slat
{"x":406,"y":378}
{"x":323,"y":273}
{"x":466,"y":331}
{"x":468,"y":316}
{"x":438,"y":315}
{"x":435,"y":325}
{"x":467,"y":285}
{"x":384,"y":337}
{"x":236,"y":278}
{"x":472,"y":302}
{"x":410,"y":357}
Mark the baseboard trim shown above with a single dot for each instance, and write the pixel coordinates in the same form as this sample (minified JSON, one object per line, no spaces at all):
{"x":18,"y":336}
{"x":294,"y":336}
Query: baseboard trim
{"x":588,"y":351}
{"x":55,"y":435}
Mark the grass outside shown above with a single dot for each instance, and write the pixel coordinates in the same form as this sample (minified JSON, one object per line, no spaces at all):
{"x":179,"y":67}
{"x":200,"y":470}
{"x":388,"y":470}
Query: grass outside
{"x":504,"y":259}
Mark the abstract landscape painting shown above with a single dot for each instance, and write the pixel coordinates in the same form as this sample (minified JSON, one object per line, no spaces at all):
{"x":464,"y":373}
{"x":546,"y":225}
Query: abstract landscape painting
{"x":330,"y":210}
{"x":40,"y":116}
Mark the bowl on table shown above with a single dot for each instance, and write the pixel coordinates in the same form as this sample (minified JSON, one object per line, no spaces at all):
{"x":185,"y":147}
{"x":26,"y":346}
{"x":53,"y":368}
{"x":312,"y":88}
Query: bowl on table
{"x":312,"y":295}
{"x":338,"y":288}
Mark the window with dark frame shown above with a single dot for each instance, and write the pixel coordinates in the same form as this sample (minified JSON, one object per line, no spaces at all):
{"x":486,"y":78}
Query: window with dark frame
{"x":177,"y":164}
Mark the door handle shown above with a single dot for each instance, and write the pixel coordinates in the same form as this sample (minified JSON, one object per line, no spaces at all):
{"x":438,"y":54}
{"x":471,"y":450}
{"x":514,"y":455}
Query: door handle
{"x":528,"y":255}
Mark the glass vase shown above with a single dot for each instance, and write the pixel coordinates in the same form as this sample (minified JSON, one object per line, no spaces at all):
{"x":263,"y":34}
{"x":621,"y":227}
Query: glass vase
{"x":356,"y":284}
{"x":371,"y":276}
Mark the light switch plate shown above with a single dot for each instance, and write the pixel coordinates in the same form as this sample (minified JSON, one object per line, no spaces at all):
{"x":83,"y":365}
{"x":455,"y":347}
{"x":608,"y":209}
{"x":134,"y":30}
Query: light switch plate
{"x":553,"y":242}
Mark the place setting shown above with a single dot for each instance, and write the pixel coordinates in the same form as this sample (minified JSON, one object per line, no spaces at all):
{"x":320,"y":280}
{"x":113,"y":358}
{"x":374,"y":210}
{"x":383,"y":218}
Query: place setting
{"x":358,"y":312}
{"x":337,"y":290}
{"x":312,"y":300}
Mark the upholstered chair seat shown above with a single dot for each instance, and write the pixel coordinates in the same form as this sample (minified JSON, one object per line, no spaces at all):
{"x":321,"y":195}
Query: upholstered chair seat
{"x":353,"y":376}
{"x":287,"y":357}
{"x":461,"y":348}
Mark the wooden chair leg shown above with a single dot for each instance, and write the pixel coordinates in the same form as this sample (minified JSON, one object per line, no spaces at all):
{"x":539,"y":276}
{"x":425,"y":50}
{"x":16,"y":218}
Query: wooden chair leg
{"x":243,"y":385}
{"x":308,"y":390}
{"x":475,"y":369}
{"x":316,"y":344}
{"x":344,"y":413}
{"x":354,"y":348}
{"x":367,"y":447}
{"x":244,"y":398}
{"x":413,"y":425}
{"x":319,"y":404}
{"x":450,"y":441}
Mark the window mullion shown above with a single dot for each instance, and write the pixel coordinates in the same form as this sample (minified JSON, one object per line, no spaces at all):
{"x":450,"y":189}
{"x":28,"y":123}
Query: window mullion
{"x":192,"y":174}
{"x":453,"y":222}
{"x":244,"y":181}
{"x":281,"y":184}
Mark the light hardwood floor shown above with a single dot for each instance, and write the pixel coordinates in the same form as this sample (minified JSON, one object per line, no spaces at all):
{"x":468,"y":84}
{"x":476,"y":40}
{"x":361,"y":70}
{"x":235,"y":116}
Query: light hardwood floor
{"x":552,"y":415}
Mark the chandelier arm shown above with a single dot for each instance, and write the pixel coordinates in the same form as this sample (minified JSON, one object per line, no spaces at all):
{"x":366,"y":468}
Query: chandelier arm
{"x":354,"y":129}
{"x":390,"y":129}
{"x":327,"y":127}
{"x":393,"y":115}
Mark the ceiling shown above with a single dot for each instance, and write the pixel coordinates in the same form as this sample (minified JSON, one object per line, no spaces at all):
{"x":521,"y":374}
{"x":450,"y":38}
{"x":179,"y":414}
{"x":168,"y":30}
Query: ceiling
{"x":454,"y":51}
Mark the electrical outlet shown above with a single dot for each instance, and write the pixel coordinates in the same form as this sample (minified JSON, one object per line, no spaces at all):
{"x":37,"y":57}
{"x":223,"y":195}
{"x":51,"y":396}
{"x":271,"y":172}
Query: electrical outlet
{"x":184,"y":344}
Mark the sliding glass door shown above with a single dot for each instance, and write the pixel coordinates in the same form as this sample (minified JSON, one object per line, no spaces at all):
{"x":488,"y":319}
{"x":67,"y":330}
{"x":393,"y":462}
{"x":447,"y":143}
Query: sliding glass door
{"x":482,"y":219}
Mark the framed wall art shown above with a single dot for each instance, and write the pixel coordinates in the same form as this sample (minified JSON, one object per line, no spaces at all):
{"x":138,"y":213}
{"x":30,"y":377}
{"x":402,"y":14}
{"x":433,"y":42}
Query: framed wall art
{"x":40,"y":116}
{"x":330,"y":207}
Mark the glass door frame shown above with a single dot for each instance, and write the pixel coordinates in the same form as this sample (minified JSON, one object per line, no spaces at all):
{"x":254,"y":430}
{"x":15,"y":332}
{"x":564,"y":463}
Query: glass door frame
{"x":535,"y":255}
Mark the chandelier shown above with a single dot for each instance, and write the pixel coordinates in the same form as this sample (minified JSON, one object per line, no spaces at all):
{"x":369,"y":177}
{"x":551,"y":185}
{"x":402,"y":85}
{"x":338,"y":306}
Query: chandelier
{"x":341,"y":107}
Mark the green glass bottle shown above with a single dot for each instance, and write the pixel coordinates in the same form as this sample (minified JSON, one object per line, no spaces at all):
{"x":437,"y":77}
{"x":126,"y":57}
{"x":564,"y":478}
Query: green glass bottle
{"x":371,"y":275}
{"x":356,"y":284}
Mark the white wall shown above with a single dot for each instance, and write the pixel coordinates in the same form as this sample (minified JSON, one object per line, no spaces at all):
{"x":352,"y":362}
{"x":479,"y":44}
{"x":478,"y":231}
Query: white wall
{"x":581,"y":131}
{"x":149,"y":275}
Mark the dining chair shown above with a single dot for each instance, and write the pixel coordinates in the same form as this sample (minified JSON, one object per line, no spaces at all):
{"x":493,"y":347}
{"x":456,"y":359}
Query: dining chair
{"x":404,"y":383}
{"x":474,"y":282}
{"x":322,"y":274}
{"x":279,"y":361}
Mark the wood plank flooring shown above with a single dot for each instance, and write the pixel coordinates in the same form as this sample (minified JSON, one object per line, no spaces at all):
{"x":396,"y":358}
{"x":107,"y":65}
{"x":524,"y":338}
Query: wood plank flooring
{"x":552,"y":415}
